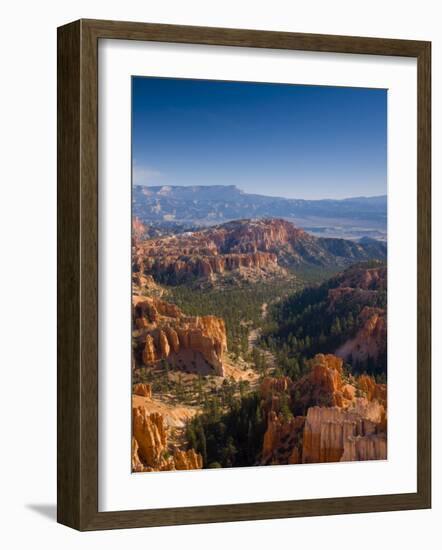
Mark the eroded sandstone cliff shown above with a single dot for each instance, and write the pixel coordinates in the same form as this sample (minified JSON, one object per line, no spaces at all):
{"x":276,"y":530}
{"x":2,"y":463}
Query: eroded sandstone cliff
{"x":152,"y":448}
{"x":363,"y":286}
{"x":370,"y":340}
{"x":163,"y":332}
{"x":252,"y":249}
{"x":333,"y":417}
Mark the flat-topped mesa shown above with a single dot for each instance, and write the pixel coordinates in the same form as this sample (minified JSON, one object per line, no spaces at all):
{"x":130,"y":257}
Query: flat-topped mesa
{"x":164,"y":333}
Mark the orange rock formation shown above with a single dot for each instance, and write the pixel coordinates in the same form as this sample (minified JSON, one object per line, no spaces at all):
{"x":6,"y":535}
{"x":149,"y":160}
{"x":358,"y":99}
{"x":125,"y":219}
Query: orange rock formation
{"x":362,"y":285}
{"x":327,"y":430}
{"x":334,"y":418}
{"x":251,"y":249}
{"x":281,"y":439}
{"x":370,"y":340}
{"x":145,"y":390}
{"x":368,"y":447}
{"x":163,"y":332}
{"x":150,"y":450}
{"x":323,"y":385}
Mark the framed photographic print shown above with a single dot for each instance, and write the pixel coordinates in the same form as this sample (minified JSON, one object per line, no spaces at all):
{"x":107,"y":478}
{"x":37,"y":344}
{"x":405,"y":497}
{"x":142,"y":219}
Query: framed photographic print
{"x":229,"y":205}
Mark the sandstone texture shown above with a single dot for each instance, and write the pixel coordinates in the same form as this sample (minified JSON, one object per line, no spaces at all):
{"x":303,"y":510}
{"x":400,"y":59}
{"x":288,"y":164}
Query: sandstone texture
{"x":163,"y":333}
{"x":144,"y":390}
{"x":363,"y":286}
{"x":368,"y":447}
{"x":324,"y":385}
{"x":327,"y":430}
{"x":333,"y":417}
{"x":151,"y":448}
{"x":250,"y":249}
{"x":149,"y":431}
{"x":370,"y":340}
{"x":281,"y":439}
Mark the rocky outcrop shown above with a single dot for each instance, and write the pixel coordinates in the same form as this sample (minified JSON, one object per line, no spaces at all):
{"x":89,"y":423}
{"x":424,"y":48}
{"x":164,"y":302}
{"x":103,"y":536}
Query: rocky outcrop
{"x":144,"y":284}
{"x":368,"y":447}
{"x":144,"y":390}
{"x":372,"y":390}
{"x":323,"y":385}
{"x":187,"y":460}
{"x":177,"y":268}
{"x":366,"y":289}
{"x":327,"y":430}
{"x":334,"y":412}
{"x":271,"y":385}
{"x":374,"y":278}
{"x":326,"y":416}
{"x":153,"y":308}
{"x":252,"y":249}
{"x":282,"y":439}
{"x":275,"y":394}
{"x":370,"y":340}
{"x":351,"y":295}
{"x":163,"y":332}
{"x":149,"y":432}
{"x":137,"y":465}
{"x":358,"y":285}
{"x":207,"y":254}
{"x":150,"y":448}
{"x":138,"y":229}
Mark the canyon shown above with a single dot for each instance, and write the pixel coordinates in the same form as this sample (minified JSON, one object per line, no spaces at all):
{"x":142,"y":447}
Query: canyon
{"x":219,"y":384}
{"x":342,"y":419}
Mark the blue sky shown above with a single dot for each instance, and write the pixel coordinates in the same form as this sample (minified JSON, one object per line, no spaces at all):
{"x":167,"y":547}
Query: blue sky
{"x":294,"y":141}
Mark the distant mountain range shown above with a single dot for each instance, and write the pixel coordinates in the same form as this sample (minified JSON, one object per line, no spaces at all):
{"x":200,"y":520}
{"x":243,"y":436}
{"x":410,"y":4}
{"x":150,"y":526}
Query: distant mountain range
{"x":210,"y":205}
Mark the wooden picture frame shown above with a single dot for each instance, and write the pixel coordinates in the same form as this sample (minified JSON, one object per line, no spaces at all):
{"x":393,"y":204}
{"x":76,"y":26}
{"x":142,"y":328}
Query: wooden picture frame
{"x":78,"y":274}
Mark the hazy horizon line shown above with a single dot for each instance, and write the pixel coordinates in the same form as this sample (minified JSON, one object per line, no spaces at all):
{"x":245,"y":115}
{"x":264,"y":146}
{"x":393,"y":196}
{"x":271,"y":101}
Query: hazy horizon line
{"x":261,"y":194}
